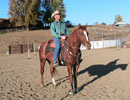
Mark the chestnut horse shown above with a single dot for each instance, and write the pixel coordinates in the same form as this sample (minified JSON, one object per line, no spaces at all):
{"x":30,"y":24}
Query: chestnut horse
{"x":70,"y":53}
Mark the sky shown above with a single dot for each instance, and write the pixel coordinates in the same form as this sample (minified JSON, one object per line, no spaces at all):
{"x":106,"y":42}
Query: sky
{"x":87,"y":11}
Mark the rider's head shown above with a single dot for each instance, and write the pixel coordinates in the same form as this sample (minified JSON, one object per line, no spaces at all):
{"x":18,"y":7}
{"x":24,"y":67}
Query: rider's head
{"x":56,"y":15}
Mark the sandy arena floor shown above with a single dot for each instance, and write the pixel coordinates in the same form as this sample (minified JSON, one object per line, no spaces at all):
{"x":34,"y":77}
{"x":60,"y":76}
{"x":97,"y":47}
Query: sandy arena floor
{"x":104,"y":74}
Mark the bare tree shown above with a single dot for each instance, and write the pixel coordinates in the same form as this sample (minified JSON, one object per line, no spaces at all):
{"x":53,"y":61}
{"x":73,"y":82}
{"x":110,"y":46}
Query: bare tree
{"x":118,"y":18}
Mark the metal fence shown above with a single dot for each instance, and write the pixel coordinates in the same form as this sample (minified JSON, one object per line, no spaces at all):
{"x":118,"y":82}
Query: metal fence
{"x":107,"y":33}
{"x":109,"y":37}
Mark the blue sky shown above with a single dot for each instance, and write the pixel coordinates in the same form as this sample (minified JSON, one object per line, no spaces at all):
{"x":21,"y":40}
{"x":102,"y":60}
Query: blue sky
{"x":92,"y":11}
{"x":4,"y":8}
{"x":88,"y":11}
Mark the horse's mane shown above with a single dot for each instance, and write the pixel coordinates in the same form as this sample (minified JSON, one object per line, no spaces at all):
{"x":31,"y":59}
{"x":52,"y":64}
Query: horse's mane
{"x":73,"y":34}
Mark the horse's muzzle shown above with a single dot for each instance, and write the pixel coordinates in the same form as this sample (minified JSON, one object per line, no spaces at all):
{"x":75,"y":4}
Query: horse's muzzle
{"x":88,"y":46}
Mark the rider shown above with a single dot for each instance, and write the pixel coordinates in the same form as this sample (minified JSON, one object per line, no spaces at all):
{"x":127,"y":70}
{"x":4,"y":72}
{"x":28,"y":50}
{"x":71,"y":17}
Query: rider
{"x":59,"y":31}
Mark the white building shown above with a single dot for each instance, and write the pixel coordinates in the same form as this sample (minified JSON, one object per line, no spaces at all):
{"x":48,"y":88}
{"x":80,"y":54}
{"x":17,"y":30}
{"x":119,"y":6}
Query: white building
{"x":121,"y":24}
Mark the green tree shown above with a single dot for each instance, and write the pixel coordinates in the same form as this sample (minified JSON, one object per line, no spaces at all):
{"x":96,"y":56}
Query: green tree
{"x":58,"y":5}
{"x":118,"y":18}
{"x":49,"y":6}
{"x":31,"y":12}
{"x":47,"y":11}
{"x":103,"y":23}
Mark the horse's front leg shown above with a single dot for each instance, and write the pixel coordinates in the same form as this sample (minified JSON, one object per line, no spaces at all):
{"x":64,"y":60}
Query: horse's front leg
{"x":75,"y":71}
{"x":71,"y":78}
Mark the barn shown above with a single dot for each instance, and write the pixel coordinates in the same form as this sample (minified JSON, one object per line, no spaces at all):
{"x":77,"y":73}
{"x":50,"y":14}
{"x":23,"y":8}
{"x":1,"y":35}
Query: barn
{"x":4,"y":23}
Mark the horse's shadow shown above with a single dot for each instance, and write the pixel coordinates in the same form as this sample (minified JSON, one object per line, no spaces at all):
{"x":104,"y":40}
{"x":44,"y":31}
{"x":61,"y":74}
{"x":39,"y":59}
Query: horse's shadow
{"x":100,"y":71}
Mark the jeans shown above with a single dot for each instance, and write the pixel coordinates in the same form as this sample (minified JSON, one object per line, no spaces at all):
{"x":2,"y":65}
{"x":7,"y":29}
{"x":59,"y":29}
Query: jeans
{"x":57,"y":49}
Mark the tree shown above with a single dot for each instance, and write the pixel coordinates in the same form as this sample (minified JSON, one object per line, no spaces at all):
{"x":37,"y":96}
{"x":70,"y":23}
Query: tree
{"x":49,"y":7}
{"x":118,"y":18}
{"x":15,"y":12}
{"x":47,"y":11}
{"x":96,"y":23}
{"x":32,"y":12}
{"x":68,"y":23}
{"x":25,"y":12}
{"x":103,"y":23}
{"x":58,"y":5}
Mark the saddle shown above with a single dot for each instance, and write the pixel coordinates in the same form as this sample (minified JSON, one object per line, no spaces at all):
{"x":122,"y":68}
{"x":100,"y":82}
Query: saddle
{"x":51,"y":47}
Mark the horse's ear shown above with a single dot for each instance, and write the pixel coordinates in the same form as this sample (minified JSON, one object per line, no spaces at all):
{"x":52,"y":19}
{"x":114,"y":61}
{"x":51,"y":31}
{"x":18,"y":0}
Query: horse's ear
{"x":79,"y":26}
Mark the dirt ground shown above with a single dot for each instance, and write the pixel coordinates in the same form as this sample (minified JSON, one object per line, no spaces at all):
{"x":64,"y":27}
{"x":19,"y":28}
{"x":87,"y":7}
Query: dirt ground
{"x":104,"y":74}
{"x":23,"y":37}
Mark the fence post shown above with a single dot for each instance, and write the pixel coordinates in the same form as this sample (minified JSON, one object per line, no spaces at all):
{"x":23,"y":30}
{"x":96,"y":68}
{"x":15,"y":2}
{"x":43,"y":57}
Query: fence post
{"x":9,"y":49}
{"x":21,"y":48}
{"x":34,"y":49}
{"x":7,"y":30}
{"x":28,"y":52}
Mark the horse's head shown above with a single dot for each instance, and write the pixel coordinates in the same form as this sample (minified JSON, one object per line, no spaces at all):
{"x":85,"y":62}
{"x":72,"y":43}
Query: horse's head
{"x":83,"y":36}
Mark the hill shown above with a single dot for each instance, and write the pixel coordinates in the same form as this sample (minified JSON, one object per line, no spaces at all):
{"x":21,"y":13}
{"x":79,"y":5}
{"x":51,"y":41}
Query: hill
{"x":38,"y":36}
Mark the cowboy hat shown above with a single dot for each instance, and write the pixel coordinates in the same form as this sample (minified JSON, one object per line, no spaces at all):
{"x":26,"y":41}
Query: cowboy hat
{"x":55,"y":13}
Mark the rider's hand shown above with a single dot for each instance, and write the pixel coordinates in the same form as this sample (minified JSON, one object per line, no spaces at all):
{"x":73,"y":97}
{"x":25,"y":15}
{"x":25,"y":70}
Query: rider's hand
{"x":63,"y":37}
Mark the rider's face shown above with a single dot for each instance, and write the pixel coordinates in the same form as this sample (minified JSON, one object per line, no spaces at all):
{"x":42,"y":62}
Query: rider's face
{"x":57,"y":17}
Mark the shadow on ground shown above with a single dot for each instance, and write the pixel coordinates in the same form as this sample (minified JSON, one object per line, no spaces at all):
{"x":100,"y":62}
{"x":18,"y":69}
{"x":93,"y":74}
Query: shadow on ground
{"x":101,"y":70}
{"x":98,"y":70}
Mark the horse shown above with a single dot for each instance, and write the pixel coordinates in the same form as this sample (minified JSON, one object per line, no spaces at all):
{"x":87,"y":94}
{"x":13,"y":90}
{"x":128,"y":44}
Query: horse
{"x":70,"y":53}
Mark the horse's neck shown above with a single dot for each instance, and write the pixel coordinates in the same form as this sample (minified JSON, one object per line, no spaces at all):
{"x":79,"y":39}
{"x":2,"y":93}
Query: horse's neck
{"x":73,"y":40}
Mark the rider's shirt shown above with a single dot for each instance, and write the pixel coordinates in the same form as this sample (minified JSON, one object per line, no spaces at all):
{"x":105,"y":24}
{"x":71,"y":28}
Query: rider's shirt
{"x":58,"y":29}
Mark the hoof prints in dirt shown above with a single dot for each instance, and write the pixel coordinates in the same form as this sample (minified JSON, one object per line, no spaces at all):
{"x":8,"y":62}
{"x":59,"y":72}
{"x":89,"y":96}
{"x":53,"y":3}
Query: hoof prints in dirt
{"x":24,"y":91}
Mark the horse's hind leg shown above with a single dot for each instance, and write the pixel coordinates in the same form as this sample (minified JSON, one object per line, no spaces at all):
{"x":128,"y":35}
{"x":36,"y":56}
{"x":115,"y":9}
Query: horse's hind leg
{"x":42,"y":64}
{"x":52,"y":73}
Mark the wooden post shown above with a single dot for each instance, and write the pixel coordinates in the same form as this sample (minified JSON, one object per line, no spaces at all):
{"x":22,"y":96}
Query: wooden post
{"x":9,"y":49}
{"x":28,"y":52}
{"x":21,"y":48}
{"x":34,"y":49}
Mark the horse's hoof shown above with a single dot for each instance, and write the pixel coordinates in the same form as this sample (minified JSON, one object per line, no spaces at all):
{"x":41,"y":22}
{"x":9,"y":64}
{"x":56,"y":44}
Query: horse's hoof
{"x":53,"y":81}
{"x":54,"y":84}
{"x":71,"y":92}
{"x":76,"y":90}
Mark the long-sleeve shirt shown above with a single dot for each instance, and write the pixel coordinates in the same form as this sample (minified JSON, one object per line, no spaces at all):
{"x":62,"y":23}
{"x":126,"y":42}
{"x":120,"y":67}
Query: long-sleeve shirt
{"x":58,"y":28}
